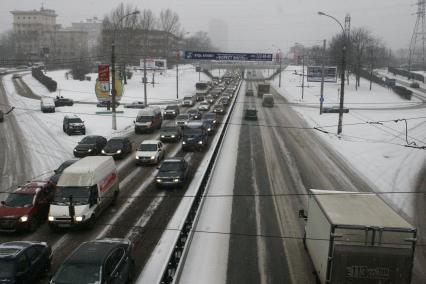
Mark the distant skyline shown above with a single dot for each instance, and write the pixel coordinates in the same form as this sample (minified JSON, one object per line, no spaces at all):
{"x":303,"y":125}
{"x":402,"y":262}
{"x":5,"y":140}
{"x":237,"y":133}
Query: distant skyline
{"x":253,"y":25}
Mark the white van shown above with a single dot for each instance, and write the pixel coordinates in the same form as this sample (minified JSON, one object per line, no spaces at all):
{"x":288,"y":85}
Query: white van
{"x":47,"y":104}
{"x":148,"y":119}
{"x":84,"y":190}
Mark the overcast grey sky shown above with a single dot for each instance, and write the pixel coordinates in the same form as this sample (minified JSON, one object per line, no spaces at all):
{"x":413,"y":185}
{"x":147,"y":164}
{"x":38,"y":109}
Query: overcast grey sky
{"x":254,"y":25}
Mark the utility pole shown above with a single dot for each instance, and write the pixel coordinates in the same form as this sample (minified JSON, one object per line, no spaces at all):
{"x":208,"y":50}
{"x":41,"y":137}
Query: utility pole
{"x":177,"y":80}
{"x":322,"y":76}
{"x":145,"y":82}
{"x":371,"y":66}
{"x":279,"y":80}
{"x":113,"y":91}
{"x":303,"y":75}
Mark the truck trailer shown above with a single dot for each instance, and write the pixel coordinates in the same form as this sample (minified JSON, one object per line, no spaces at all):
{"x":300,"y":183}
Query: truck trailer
{"x":263,"y":88}
{"x":355,"y":237}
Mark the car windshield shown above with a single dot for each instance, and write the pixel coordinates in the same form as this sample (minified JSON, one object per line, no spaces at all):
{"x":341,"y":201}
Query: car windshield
{"x":88,"y":140}
{"x":193,"y":131}
{"x":144,"y":119}
{"x":115,"y":143}
{"x":80,"y":195}
{"x":75,"y":120}
{"x":78,"y":273}
{"x":169,"y":129}
{"x":148,"y":147}
{"x":7,"y":268}
{"x":19,"y":200}
{"x":209,"y":116}
{"x":182,"y":116}
{"x":170,"y":167}
{"x":171,"y":108}
{"x":193,"y":111}
{"x":187,"y":98}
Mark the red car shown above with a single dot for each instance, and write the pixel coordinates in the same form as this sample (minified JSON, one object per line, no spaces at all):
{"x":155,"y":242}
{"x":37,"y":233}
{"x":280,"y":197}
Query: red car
{"x":27,"y":207}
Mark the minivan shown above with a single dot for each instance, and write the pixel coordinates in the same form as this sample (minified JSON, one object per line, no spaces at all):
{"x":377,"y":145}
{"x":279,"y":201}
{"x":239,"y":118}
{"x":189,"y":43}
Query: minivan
{"x":195,"y":136}
{"x":148,"y":120}
{"x":83,"y":192}
{"x":47,"y":104}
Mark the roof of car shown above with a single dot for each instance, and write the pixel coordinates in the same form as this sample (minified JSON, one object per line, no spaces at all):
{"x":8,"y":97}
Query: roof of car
{"x":150,"y":142}
{"x":118,"y":138}
{"x":93,"y":252}
{"x":31,"y":187}
{"x":174,"y":160}
{"x":71,"y":116}
{"x":11,"y":249}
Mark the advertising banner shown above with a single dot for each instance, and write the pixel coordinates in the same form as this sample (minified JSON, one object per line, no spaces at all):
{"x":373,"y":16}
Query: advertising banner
{"x":315,"y":74}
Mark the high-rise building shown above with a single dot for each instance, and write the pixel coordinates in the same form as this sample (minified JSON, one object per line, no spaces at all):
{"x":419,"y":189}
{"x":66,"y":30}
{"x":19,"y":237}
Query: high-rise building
{"x":93,"y":27}
{"x":218,"y":32}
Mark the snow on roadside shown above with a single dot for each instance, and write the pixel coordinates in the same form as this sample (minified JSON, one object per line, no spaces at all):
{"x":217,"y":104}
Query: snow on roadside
{"x":49,"y":146}
{"x":376,"y":151}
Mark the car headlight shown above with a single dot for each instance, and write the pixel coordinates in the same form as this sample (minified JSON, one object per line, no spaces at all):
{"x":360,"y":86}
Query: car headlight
{"x":118,"y":152}
{"x":183,"y":142}
{"x":90,"y":150}
{"x":214,"y":121}
{"x":23,"y":219}
{"x":176,"y":180}
{"x":103,"y":151}
{"x":152,"y":157}
{"x":200,"y":142}
{"x":209,"y":129}
{"x":75,"y":150}
{"x":173,"y":112}
{"x":173,"y":136}
{"x":137,"y":157}
{"x":162,"y":136}
{"x":51,"y":218}
{"x":158,"y":179}
{"x":79,"y":218}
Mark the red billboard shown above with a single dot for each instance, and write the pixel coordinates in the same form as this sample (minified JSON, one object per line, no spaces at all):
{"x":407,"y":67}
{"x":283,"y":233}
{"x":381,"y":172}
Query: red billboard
{"x":103,"y":72}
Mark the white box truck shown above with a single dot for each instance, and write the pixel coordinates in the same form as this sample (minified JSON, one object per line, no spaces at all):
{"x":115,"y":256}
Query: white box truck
{"x":84,"y":190}
{"x":355,"y":237}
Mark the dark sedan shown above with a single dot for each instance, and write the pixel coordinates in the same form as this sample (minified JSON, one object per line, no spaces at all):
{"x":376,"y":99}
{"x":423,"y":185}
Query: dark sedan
{"x":194,"y":114}
{"x":24,"y":261}
{"x":171,"y":134}
{"x":90,"y":146}
{"x":117,"y":147}
{"x":61,"y":101}
{"x":173,"y":172}
{"x":138,"y":105}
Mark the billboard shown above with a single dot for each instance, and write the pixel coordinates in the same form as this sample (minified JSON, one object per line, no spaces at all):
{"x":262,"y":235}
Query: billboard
{"x":201,"y":55}
{"x":154,"y":64}
{"x":315,"y":74}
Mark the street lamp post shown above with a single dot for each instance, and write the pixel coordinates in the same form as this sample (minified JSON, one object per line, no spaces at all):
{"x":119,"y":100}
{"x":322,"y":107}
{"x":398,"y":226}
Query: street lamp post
{"x":113,"y":88}
{"x":342,"y":77}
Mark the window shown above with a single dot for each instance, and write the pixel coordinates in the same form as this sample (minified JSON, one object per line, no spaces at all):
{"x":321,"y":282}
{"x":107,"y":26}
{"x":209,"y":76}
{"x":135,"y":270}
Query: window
{"x":22,"y":263}
{"x":32,"y":254}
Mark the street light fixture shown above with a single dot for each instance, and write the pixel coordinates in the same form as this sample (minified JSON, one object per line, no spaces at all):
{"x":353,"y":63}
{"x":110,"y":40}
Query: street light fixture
{"x":113,"y":89}
{"x":342,"y":79}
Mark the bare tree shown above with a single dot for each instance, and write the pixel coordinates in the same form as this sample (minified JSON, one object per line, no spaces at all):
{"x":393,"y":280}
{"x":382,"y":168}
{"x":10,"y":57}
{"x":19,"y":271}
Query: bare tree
{"x":170,"y":25}
{"x":199,"y":41}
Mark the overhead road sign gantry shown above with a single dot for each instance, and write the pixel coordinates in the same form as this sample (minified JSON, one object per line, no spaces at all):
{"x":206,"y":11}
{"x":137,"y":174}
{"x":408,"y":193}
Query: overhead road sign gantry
{"x":221,"y":56}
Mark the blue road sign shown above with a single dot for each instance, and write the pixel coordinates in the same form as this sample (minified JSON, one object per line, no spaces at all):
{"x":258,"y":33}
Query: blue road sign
{"x":199,"y":55}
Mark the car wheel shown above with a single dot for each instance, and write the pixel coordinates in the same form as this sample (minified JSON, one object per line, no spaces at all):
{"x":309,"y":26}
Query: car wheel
{"x":92,"y":222}
{"x":84,"y":132}
{"x":114,"y":199}
{"x":33,"y":224}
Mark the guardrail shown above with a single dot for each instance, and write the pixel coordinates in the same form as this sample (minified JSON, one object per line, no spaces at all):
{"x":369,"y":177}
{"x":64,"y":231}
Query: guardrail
{"x":173,"y":267}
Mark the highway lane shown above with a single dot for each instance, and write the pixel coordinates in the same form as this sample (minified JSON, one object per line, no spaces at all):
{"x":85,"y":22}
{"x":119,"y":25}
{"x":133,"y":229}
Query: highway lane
{"x":273,"y":162}
{"x":14,"y":167}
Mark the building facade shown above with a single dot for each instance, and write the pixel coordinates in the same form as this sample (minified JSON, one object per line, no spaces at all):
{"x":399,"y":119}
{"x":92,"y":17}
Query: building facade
{"x":39,"y":38}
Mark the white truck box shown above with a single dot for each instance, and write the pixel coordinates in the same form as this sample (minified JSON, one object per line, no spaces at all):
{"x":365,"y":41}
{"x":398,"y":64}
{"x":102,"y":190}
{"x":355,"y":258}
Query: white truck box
{"x":355,"y":237}
{"x":93,"y":184}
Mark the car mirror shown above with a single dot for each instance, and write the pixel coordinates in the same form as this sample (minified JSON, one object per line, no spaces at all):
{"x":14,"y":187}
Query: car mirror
{"x":55,"y":171}
{"x":158,"y":167}
{"x":134,"y":121}
{"x":3,"y":202}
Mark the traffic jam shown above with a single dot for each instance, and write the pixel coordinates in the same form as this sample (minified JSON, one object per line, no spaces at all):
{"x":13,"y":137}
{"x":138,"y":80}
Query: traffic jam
{"x":84,"y":224}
